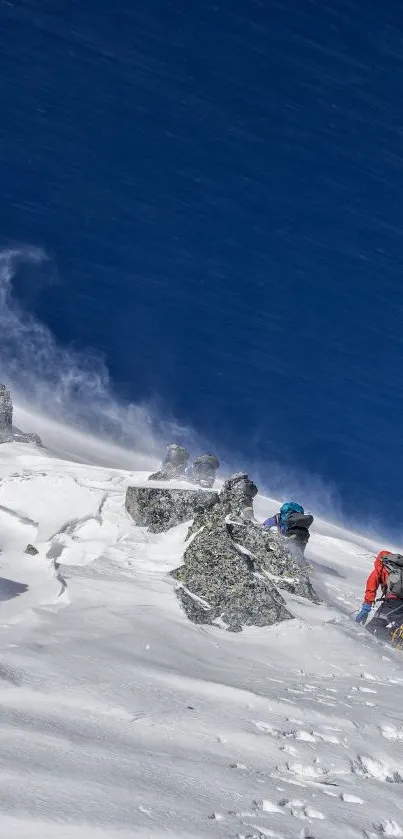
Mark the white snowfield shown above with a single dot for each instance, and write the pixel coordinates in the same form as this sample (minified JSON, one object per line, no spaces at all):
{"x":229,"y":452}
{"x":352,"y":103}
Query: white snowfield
{"x":119,"y":718}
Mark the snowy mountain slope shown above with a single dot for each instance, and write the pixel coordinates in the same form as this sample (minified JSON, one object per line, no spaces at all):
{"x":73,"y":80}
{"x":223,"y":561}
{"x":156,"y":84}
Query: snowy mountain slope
{"x":119,"y":718}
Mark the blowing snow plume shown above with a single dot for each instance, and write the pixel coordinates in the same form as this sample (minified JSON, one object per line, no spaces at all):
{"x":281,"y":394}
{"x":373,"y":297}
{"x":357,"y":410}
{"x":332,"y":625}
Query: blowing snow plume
{"x":65,"y":386}
{"x":62,"y":384}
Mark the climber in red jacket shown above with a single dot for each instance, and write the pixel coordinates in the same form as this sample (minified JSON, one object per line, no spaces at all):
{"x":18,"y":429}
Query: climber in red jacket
{"x":378,"y":577}
{"x":387,"y":575}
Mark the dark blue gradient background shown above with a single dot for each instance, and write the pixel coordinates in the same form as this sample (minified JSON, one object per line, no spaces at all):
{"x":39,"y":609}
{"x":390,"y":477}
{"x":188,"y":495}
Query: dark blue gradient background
{"x":220,"y":185}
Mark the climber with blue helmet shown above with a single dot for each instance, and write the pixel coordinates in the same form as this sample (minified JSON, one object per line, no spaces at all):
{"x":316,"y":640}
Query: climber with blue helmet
{"x":292,"y":521}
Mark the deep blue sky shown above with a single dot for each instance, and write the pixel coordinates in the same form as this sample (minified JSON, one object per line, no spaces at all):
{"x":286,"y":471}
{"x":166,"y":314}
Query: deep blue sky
{"x":220,"y":185}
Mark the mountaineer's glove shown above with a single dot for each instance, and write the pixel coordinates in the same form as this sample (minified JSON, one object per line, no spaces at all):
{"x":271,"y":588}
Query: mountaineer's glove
{"x":362,"y":616}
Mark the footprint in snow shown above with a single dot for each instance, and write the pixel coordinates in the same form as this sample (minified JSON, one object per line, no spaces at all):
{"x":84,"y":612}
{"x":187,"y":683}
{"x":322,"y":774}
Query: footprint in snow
{"x":389,"y":732}
{"x":268,"y":729}
{"x":305,"y":736}
{"x":350,"y":799}
{"x":327,"y":738}
{"x":389,"y":828}
{"x":372,"y":768}
{"x":315,"y":736}
{"x":300,"y":734}
{"x":295,"y":807}
{"x":306,"y":772}
{"x":216,"y":817}
{"x":289,"y":750}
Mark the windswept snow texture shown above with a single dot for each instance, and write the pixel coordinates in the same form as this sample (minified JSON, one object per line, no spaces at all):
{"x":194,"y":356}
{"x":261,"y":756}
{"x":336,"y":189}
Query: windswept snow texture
{"x":119,"y":718}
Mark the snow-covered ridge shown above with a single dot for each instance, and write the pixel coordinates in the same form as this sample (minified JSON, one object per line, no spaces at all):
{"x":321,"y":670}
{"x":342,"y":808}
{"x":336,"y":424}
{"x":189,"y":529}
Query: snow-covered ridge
{"x":119,"y":718}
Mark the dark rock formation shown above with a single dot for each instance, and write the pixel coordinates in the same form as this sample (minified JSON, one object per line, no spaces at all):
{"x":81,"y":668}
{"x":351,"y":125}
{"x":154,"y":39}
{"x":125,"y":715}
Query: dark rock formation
{"x":173,"y":465}
{"x":237,"y":496}
{"x":236,"y":503}
{"x":31,"y":550}
{"x":6,"y":415}
{"x":232,"y":567}
{"x":203,"y":470}
{"x":222,"y":584}
{"x":272,"y":555}
{"x":7,"y":431}
{"x":159,"y":509}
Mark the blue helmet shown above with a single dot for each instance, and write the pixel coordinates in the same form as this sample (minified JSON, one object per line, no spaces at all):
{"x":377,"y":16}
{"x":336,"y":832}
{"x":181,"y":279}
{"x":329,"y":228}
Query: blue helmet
{"x":290,"y":507}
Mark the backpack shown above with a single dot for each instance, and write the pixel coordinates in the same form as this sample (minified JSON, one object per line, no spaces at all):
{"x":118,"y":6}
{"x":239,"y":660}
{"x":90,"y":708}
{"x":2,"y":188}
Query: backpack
{"x":394,"y":567}
{"x":292,"y":519}
{"x":285,"y":510}
{"x":297,"y":521}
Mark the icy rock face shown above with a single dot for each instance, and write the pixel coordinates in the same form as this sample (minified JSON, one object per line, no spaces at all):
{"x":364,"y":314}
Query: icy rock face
{"x":7,"y":432}
{"x":233,"y":568}
{"x":6,"y":415}
{"x":159,"y":509}
{"x":272,"y":556}
{"x":237,"y":496}
{"x":221,"y":584}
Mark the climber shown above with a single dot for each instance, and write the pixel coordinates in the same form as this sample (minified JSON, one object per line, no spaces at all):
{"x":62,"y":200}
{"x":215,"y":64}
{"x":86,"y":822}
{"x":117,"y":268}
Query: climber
{"x":203,"y":470}
{"x":388,"y":575}
{"x":291,"y":521}
{"x":173,"y":465}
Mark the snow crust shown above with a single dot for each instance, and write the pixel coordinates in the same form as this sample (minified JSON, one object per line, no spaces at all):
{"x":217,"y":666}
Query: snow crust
{"x":119,"y":718}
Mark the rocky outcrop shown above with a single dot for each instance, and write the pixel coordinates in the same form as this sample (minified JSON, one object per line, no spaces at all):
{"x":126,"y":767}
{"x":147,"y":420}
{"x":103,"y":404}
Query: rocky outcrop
{"x":6,"y":415}
{"x":161,"y":508}
{"x":237,"y":496}
{"x":220,"y":583}
{"x":7,"y":431}
{"x":173,"y":465}
{"x":273,"y":557}
{"x":233,"y":569}
{"x":203,"y":470}
{"x":31,"y":550}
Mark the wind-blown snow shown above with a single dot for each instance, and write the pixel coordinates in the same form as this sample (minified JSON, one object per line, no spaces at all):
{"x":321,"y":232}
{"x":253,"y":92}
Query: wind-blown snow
{"x":119,"y":718}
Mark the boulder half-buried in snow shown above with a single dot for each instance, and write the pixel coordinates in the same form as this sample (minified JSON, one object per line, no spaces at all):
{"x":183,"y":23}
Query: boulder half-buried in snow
{"x":159,"y":508}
